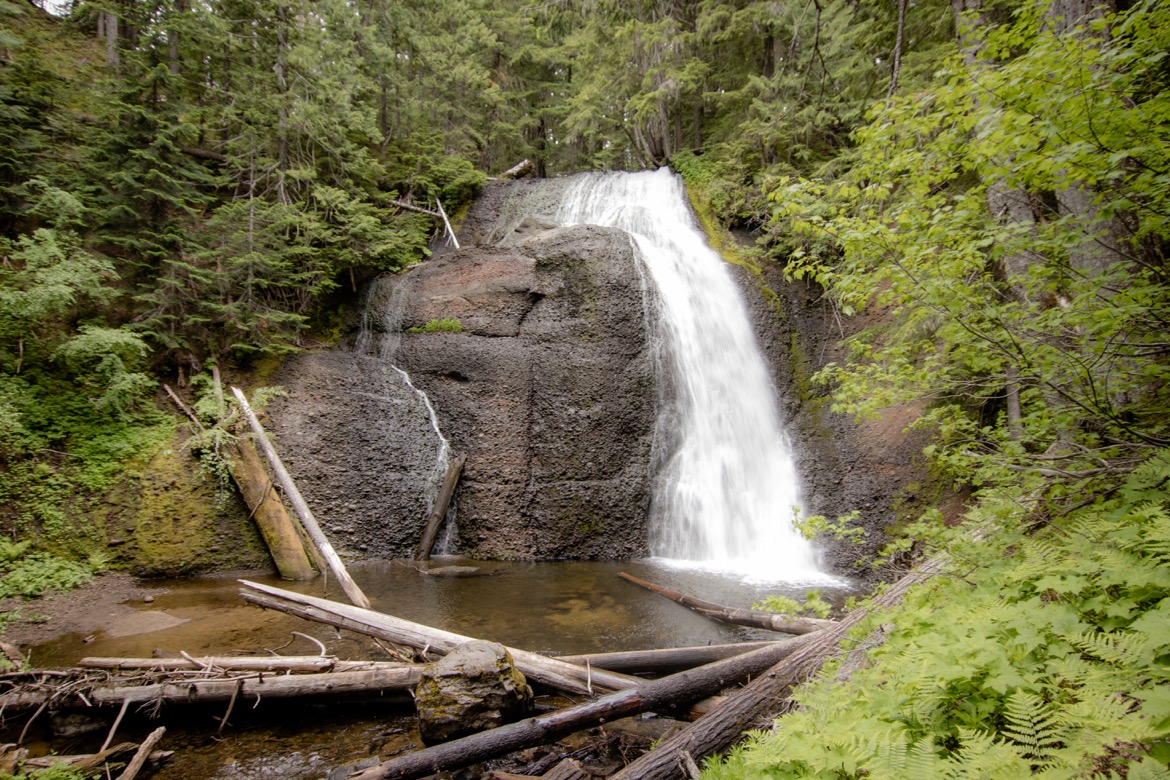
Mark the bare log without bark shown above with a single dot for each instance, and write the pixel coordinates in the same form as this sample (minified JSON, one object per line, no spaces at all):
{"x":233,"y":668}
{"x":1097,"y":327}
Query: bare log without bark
{"x":232,"y":663}
{"x":738,"y":617}
{"x":258,"y":687}
{"x":143,"y":753}
{"x":665,"y":660}
{"x":521,"y":169}
{"x":763,"y":699}
{"x":546,"y":671}
{"x":673,"y":691}
{"x":439,"y":510}
{"x":418,"y":209}
{"x":332,"y":560}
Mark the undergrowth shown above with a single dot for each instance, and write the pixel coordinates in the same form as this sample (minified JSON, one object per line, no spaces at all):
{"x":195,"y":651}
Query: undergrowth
{"x":1042,"y":653}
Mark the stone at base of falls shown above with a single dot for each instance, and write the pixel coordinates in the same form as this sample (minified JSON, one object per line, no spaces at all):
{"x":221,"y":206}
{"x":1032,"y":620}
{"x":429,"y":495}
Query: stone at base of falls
{"x":473,"y":688}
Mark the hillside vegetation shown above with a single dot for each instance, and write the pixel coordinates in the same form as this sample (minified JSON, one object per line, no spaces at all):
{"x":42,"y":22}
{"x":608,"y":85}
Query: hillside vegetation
{"x":186,"y":184}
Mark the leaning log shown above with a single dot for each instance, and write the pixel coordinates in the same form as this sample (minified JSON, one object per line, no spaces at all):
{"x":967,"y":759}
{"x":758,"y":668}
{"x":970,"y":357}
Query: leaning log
{"x":739,"y":617}
{"x":765,"y":697}
{"x":439,"y":509}
{"x":673,"y":691}
{"x":277,"y":528}
{"x":332,"y":560}
{"x":538,"y":668}
{"x":664,"y":660}
{"x":258,"y":687}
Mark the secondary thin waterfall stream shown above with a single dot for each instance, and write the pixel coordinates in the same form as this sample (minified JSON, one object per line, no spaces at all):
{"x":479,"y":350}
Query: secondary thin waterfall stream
{"x":728,"y":491}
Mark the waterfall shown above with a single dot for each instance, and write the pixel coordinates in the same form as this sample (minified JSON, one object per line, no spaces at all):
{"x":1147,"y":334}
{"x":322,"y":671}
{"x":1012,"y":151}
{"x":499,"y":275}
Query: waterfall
{"x":727,"y":492}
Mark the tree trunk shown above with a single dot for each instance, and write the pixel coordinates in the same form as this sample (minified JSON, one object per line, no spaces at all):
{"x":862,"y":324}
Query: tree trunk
{"x":302,"y":509}
{"x":764,"y":698}
{"x":739,"y":617}
{"x":439,"y":510}
{"x":673,"y":691}
{"x":547,"y":671}
{"x":257,"y":687}
{"x":666,"y":660}
{"x":242,"y":663}
{"x":277,"y":528}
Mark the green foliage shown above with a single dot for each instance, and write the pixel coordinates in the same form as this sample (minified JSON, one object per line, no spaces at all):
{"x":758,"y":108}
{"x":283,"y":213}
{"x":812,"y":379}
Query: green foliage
{"x":444,"y":325}
{"x":813,"y":605}
{"x":57,"y":772}
{"x":1066,"y":307}
{"x":1047,"y":658}
{"x":41,"y":573}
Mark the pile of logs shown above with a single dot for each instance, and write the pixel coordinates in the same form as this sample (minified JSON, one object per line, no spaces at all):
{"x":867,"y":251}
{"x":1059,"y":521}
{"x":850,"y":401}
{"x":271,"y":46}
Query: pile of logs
{"x":601,"y":684}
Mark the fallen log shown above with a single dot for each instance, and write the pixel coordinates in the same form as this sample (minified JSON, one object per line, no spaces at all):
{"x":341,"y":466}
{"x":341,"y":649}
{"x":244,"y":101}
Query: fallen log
{"x":187,"y":691}
{"x":519,"y":170}
{"x":86,"y":762}
{"x":418,"y":209}
{"x":739,"y":617}
{"x":135,"y":766}
{"x":761,"y":700}
{"x":332,"y":560}
{"x":538,"y":668}
{"x":665,"y":660}
{"x":229,"y":663}
{"x":673,"y":691}
{"x":447,"y":223}
{"x":439,"y":510}
{"x":276,"y":527}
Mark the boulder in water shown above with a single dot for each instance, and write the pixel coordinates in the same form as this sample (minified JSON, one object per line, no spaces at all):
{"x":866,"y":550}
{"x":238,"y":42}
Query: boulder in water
{"x":474,"y":688}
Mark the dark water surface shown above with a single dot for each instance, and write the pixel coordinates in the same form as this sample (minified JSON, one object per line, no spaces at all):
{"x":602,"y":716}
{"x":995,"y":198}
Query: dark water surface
{"x":559,"y":608}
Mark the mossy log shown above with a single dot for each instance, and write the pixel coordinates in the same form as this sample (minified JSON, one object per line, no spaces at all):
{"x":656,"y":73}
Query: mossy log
{"x":277,"y":528}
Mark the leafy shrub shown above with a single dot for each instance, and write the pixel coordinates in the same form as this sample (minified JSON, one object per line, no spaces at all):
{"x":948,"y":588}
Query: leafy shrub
{"x":42,"y":573}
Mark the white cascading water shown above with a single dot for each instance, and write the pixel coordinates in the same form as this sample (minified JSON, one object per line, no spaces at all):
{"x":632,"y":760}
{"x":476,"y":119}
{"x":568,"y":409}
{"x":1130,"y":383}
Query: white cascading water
{"x":728,"y":491}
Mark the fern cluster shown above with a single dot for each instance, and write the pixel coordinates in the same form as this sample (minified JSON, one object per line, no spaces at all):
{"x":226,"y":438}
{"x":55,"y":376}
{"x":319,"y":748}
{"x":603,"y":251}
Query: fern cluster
{"x":1050,"y":658}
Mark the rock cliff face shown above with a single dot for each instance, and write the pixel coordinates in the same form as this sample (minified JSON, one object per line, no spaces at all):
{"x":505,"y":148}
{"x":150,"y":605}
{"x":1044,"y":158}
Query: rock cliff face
{"x":549,"y":389}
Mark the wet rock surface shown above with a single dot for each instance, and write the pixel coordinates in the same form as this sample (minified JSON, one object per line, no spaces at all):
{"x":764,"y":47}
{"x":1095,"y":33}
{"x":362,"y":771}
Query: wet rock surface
{"x":473,"y":688}
{"x":548,"y":387}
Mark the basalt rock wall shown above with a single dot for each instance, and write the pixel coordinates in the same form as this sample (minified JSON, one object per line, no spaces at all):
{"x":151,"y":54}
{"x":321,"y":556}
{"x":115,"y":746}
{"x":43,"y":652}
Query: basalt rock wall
{"x":549,"y":389}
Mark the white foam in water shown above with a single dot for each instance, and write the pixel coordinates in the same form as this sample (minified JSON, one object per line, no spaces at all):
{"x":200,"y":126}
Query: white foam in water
{"x":728,"y":491}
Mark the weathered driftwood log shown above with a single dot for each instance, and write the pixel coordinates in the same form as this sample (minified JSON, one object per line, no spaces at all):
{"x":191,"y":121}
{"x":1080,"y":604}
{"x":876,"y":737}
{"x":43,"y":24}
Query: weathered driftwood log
{"x":332,"y":560}
{"x":258,"y":686}
{"x":447,"y":223}
{"x":546,"y":671}
{"x":665,"y":660}
{"x":439,"y":510}
{"x":135,"y":766}
{"x":519,"y":170}
{"x":673,"y":691}
{"x":756,"y":704}
{"x":244,"y":663}
{"x":418,"y":209}
{"x":739,"y":617}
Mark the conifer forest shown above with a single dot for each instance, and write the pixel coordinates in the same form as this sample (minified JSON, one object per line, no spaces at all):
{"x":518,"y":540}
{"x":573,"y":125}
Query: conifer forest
{"x":197,"y":184}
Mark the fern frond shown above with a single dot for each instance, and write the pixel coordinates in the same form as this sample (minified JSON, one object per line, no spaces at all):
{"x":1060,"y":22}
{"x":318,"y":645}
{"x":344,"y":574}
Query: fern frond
{"x":1122,"y":649}
{"x":982,"y":757}
{"x":1033,"y":725}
